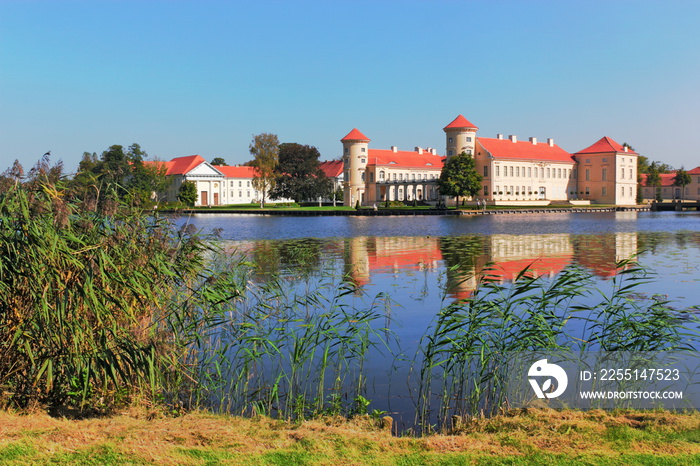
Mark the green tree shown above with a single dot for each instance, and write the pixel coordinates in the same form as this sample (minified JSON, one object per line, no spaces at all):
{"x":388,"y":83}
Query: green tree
{"x":218,"y":161}
{"x":654,"y":179}
{"x":459,"y":177}
{"x":265,"y":150}
{"x":299,"y":174}
{"x":187,"y":194}
{"x":682,"y":179}
{"x":118,"y":175}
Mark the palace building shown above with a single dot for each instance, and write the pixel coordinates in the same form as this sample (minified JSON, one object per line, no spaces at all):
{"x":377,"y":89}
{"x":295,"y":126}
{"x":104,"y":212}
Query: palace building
{"x":513,"y":171}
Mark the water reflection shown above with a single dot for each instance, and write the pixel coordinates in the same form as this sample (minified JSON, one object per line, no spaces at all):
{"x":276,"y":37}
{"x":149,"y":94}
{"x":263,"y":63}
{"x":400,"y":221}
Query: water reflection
{"x":463,"y":258}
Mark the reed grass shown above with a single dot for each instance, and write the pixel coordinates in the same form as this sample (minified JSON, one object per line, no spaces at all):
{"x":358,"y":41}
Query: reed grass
{"x":463,"y":363}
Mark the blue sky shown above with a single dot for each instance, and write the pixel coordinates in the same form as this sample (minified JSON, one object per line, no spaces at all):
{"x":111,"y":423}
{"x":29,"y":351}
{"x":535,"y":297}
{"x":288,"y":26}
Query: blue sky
{"x":186,"y":77}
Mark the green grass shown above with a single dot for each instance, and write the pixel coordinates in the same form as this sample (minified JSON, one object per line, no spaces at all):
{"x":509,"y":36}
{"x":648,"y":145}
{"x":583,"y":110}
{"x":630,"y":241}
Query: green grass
{"x":531,"y":438}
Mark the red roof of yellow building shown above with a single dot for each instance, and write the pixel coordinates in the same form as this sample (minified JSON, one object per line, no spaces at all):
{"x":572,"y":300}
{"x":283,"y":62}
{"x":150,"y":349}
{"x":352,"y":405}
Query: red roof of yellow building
{"x":460,"y":123}
{"x":406,"y":159}
{"x":525,"y":150}
{"x":605,"y":145}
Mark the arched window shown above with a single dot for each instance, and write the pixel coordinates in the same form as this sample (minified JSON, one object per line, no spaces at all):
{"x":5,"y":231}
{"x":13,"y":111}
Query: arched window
{"x":381,"y":175}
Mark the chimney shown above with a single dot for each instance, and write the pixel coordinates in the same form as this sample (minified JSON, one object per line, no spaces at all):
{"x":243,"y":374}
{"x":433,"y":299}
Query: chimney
{"x":550,"y":141}
{"x":533,"y":141}
{"x":419,"y":150}
{"x":433,"y":151}
{"x":499,"y":136}
{"x":513,"y":138}
{"x":394,"y":149}
{"x":625,"y":148}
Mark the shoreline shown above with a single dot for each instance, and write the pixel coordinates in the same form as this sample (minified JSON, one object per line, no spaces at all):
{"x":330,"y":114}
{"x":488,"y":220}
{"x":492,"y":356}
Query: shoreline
{"x":407,"y":212}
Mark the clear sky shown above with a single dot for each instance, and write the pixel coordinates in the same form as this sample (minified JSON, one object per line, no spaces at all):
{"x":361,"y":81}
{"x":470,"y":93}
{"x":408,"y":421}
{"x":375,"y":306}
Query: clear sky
{"x":202,"y":77}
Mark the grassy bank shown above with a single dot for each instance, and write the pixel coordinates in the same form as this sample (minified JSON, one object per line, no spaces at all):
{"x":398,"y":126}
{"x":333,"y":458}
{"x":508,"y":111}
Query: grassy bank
{"x":522,"y":437}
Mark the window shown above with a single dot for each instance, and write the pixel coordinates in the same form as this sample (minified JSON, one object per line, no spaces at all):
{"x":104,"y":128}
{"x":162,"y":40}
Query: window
{"x":623,"y":191}
{"x":498,"y":172}
{"x":517,"y":171}
{"x":486,"y":190}
{"x":371,"y":177}
{"x":231,"y":194}
{"x":588,"y":175}
{"x":363,"y":160}
{"x":393,"y":175}
{"x":469,"y":139}
{"x":450,"y":141}
{"x":604,"y":160}
{"x":248,"y":193}
{"x":623,"y":173}
{"x":486,"y":171}
{"x":346,"y":150}
{"x":240,"y":193}
{"x":240,"y":183}
{"x":548,"y":173}
{"x":401,"y":176}
{"x":413,"y":176}
{"x":605,"y":175}
{"x":232,"y":183}
{"x":605,"y":191}
{"x":558,"y":172}
{"x":535,"y":172}
{"x":363,"y":176}
{"x":511,"y":171}
{"x":381,"y":175}
{"x":529,"y":172}
{"x":469,"y":152}
{"x":363,"y":149}
{"x":248,"y":184}
{"x":449,"y":152}
{"x":588,"y":160}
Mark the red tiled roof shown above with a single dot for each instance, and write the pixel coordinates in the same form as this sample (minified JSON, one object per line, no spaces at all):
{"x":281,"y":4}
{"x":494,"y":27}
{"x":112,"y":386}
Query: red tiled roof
{"x":236,"y":172}
{"x":694,"y":171}
{"x":459,"y":123}
{"x":405,"y":159}
{"x":179,"y":165}
{"x":666,"y":179}
{"x":604,"y":145}
{"x":332,"y":168}
{"x":355,"y":135}
{"x":524,"y":150}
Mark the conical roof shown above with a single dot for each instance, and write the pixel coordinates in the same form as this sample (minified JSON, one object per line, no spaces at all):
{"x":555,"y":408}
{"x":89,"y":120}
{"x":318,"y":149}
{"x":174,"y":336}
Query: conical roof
{"x":459,"y":123}
{"x":355,"y":135}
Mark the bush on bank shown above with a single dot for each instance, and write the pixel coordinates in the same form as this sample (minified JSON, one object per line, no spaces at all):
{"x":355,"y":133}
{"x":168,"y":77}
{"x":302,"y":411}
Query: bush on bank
{"x":86,"y":284}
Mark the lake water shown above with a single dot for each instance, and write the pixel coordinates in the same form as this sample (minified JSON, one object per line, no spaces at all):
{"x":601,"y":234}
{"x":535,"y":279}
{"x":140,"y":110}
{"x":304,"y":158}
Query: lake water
{"x":424,"y":263}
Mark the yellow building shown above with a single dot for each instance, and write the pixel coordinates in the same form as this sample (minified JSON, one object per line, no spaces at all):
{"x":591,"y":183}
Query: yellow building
{"x":513,"y":171}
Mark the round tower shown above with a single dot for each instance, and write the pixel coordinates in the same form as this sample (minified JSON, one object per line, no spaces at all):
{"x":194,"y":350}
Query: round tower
{"x":460,"y":136}
{"x":355,"y":156}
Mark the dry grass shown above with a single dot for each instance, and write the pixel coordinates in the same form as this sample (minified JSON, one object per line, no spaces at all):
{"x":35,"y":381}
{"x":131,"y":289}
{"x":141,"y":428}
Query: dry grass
{"x":529,"y":437}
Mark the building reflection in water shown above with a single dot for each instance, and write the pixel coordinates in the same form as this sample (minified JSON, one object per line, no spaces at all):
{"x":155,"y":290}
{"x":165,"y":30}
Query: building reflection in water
{"x":463,"y":259}
{"x":500,"y":257}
